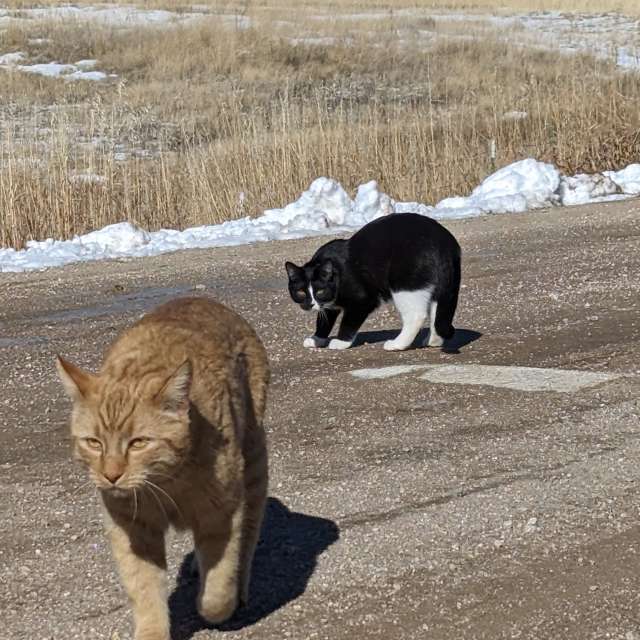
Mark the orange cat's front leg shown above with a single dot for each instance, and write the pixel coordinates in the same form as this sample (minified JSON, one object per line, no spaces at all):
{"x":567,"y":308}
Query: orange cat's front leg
{"x":140,"y":555}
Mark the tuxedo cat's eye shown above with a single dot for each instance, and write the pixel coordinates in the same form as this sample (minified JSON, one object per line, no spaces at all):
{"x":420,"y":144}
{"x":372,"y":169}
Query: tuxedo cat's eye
{"x":138,"y":443}
{"x":301,"y":293}
{"x":93,"y":443}
{"x":321,"y":292}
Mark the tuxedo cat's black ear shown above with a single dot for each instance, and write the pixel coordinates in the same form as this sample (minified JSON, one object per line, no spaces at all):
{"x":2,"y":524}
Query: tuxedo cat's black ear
{"x":292,"y":270}
{"x":326,"y":269}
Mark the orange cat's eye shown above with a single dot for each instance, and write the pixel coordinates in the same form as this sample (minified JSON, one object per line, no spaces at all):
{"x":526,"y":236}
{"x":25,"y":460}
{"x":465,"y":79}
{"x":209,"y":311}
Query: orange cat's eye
{"x":138,"y":443}
{"x":93,"y":443}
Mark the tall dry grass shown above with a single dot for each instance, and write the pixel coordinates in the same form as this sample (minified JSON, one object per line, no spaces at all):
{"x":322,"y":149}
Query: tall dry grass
{"x":207,"y":123}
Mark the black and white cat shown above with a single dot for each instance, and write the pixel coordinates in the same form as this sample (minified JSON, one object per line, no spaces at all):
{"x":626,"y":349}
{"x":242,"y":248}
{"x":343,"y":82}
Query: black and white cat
{"x":405,"y":257}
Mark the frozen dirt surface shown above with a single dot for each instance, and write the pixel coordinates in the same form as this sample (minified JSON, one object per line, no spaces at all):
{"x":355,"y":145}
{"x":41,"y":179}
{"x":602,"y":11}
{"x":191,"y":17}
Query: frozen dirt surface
{"x":401,"y":506}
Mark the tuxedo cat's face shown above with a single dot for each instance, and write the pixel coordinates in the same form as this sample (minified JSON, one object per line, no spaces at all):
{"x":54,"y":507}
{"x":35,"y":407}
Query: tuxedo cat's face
{"x":314,"y":286}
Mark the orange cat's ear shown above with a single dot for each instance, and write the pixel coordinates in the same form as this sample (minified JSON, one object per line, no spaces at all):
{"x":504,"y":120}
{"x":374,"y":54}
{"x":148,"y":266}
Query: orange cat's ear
{"x":174,"y":395}
{"x":76,"y":381}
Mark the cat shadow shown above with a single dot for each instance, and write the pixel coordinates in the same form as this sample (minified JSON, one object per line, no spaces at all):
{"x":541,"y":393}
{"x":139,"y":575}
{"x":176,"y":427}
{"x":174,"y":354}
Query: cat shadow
{"x":284,"y":561}
{"x":461,"y":338}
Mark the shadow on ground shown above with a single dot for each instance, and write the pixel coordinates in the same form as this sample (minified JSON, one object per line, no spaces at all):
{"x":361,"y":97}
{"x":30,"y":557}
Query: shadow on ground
{"x":285,"y":559}
{"x":461,"y":338}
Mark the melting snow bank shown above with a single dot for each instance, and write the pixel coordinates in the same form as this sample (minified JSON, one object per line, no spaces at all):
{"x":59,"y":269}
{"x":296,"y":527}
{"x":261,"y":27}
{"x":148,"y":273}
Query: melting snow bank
{"x":326,"y":208}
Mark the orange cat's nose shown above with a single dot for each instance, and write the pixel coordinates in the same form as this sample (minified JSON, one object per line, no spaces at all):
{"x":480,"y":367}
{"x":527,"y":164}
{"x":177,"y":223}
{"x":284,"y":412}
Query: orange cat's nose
{"x":112,"y":476}
{"x":113,"y":469}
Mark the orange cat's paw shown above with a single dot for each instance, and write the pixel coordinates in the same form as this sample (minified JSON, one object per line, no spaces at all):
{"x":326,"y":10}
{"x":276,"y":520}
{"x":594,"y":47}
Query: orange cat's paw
{"x":218,"y":609}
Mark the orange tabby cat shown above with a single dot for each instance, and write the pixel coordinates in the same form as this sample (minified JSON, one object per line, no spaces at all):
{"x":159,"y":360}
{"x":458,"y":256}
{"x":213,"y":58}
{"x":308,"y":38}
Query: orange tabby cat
{"x":171,"y":431}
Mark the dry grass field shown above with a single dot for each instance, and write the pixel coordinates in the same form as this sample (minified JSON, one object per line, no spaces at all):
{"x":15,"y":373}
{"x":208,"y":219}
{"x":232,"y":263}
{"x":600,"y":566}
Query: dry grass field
{"x":239,"y":110}
{"x":630,"y":7}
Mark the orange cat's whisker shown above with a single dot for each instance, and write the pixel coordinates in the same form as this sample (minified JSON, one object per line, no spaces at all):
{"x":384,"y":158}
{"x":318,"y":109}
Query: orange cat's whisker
{"x":135,"y":504}
{"x":82,"y":486}
{"x":153,"y":493}
{"x":173,"y":502}
{"x":169,"y":477}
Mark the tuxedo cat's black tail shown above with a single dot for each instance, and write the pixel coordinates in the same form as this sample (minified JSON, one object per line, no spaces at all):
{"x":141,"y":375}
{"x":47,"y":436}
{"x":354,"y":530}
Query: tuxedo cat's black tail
{"x":448,"y":301}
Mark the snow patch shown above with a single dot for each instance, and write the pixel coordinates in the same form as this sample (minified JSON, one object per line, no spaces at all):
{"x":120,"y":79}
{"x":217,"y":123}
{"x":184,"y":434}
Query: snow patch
{"x":628,"y":179}
{"x":120,"y":238}
{"x":628,"y":58}
{"x":515,"y":115}
{"x":534,"y":181}
{"x":527,"y":184}
{"x":113,"y":16}
{"x":87,"y":178}
{"x":370,"y":203}
{"x":584,"y":188}
{"x":86,"y":65}
{"x":12,"y":58}
{"x":94,"y":76}
{"x":81,"y":70}
{"x":48,"y":69}
{"x":324,"y":204}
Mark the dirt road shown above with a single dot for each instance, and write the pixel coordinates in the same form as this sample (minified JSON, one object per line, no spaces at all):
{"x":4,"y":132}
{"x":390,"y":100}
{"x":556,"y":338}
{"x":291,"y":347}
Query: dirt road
{"x":446,"y":501}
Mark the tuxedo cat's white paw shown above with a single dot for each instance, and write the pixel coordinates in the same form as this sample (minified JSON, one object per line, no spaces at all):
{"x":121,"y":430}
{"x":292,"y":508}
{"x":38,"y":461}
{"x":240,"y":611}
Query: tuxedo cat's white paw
{"x":435,"y":340}
{"x":393,"y":345}
{"x":339,"y":344}
{"x":313,"y":342}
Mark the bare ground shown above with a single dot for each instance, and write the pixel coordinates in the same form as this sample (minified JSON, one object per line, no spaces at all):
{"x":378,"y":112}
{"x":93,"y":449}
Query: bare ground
{"x":400,"y":508}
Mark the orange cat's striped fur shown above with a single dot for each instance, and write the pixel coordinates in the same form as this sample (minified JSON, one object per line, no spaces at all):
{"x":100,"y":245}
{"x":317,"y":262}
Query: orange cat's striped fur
{"x":171,"y":431}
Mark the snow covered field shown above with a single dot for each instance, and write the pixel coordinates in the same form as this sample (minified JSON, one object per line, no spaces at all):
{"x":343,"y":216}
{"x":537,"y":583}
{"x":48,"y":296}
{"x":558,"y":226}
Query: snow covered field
{"x":326,"y":208}
{"x":609,"y":36}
